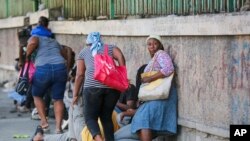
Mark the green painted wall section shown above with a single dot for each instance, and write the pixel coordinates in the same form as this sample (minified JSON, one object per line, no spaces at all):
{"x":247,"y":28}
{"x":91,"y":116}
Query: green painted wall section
{"x":90,"y":9}
{"x":13,"y":8}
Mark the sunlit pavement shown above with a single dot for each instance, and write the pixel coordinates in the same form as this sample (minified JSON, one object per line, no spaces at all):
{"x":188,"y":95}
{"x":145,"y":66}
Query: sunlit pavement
{"x":19,"y":124}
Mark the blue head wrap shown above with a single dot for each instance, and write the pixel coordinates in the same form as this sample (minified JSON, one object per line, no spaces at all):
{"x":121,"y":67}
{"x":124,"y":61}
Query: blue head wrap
{"x":41,"y":31}
{"x":94,"y":38}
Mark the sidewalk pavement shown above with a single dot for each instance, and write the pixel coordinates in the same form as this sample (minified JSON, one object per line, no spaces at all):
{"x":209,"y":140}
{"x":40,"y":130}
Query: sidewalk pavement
{"x":16,"y":123}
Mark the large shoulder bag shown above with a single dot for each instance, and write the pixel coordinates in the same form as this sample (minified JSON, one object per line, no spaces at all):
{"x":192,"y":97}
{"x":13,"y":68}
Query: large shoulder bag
{"x":108,"y":73}
{"x":155,"y":90}
{"x":23,"y":85}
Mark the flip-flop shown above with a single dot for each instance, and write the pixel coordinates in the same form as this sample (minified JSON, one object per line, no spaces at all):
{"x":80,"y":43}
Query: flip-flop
{"x":45,"y":129}
{"x":39,"y":129}
{"x":59,"y":131}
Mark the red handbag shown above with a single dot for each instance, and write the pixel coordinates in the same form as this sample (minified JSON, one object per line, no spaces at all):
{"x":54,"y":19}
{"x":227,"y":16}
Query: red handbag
{"x":108,"y":73}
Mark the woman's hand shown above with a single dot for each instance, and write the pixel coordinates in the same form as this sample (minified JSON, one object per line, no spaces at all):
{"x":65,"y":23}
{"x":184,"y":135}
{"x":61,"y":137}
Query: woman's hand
{"x":20,"y":64}
{"x":118,"y":55}
{"x":129,"y":112}
{"x":74,"y":101}
{"x":146,"y":80}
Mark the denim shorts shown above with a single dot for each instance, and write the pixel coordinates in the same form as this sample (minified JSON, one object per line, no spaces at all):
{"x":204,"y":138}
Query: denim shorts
{"x":52,"y":76}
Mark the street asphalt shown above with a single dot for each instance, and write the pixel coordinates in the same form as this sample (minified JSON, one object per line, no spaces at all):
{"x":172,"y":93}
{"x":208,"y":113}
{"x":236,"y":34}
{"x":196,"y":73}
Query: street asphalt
{"x":16,"y":124}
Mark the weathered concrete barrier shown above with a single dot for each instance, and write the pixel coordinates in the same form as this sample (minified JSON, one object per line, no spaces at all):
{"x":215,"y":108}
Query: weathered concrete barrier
{"x":211,"y":54}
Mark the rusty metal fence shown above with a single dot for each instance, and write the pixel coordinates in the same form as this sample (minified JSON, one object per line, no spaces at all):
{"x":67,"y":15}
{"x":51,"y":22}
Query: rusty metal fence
{"x":13,"y":8}
{"x":78,"y":9}
{"x":178,"y":7}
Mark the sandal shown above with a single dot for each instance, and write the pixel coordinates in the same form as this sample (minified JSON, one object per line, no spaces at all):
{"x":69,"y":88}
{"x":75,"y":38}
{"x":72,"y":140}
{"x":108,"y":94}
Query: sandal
{"x":45,"y":129}
{"x":59,"y":131}
{"x":39,"y":129}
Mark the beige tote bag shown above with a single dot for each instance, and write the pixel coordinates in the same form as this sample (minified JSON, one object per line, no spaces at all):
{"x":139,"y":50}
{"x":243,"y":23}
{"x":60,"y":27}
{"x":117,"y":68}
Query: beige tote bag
{"x":158,"y":89}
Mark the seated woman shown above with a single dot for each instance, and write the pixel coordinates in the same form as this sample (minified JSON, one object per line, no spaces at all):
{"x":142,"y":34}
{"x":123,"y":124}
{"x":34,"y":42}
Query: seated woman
{"x":156,"y":117}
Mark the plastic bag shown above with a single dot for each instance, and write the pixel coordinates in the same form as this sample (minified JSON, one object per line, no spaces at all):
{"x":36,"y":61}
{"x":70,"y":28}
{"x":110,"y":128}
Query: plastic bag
{"x":16,"y":96}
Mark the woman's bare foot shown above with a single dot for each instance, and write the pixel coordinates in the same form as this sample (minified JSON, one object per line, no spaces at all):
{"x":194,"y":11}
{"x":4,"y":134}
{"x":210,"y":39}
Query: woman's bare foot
{"x":98,"y":138}
{"x":38,"y":137}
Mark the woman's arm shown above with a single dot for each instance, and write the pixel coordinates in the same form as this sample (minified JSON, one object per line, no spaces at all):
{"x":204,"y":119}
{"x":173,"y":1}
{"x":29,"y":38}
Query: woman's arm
{"x":20,"y":61}
{"x":166,"y":63}
{"x":122,"y":106}
{"x":117,"y":54}
{"x":167,"y":68}
{"x":80,"y":75}
{"x":156,"y":76}
{"x":129,"y":112}
{"x":32,"y":45}
{"x":66,"y":52}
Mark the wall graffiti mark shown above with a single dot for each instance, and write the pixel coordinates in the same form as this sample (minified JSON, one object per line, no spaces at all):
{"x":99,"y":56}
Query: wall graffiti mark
{"x":239,"y":106}
{"x":236,"y":66}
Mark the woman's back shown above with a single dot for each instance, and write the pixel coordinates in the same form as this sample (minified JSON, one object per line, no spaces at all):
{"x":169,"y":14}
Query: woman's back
{"x":86,"y":55}
{"x":48,"y":52}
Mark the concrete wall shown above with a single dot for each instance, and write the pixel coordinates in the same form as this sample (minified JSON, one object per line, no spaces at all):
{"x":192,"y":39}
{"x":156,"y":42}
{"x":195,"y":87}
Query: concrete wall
{"x":8,"y":45}
{"x":211,"y":54}
{"x":213,"y":76}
